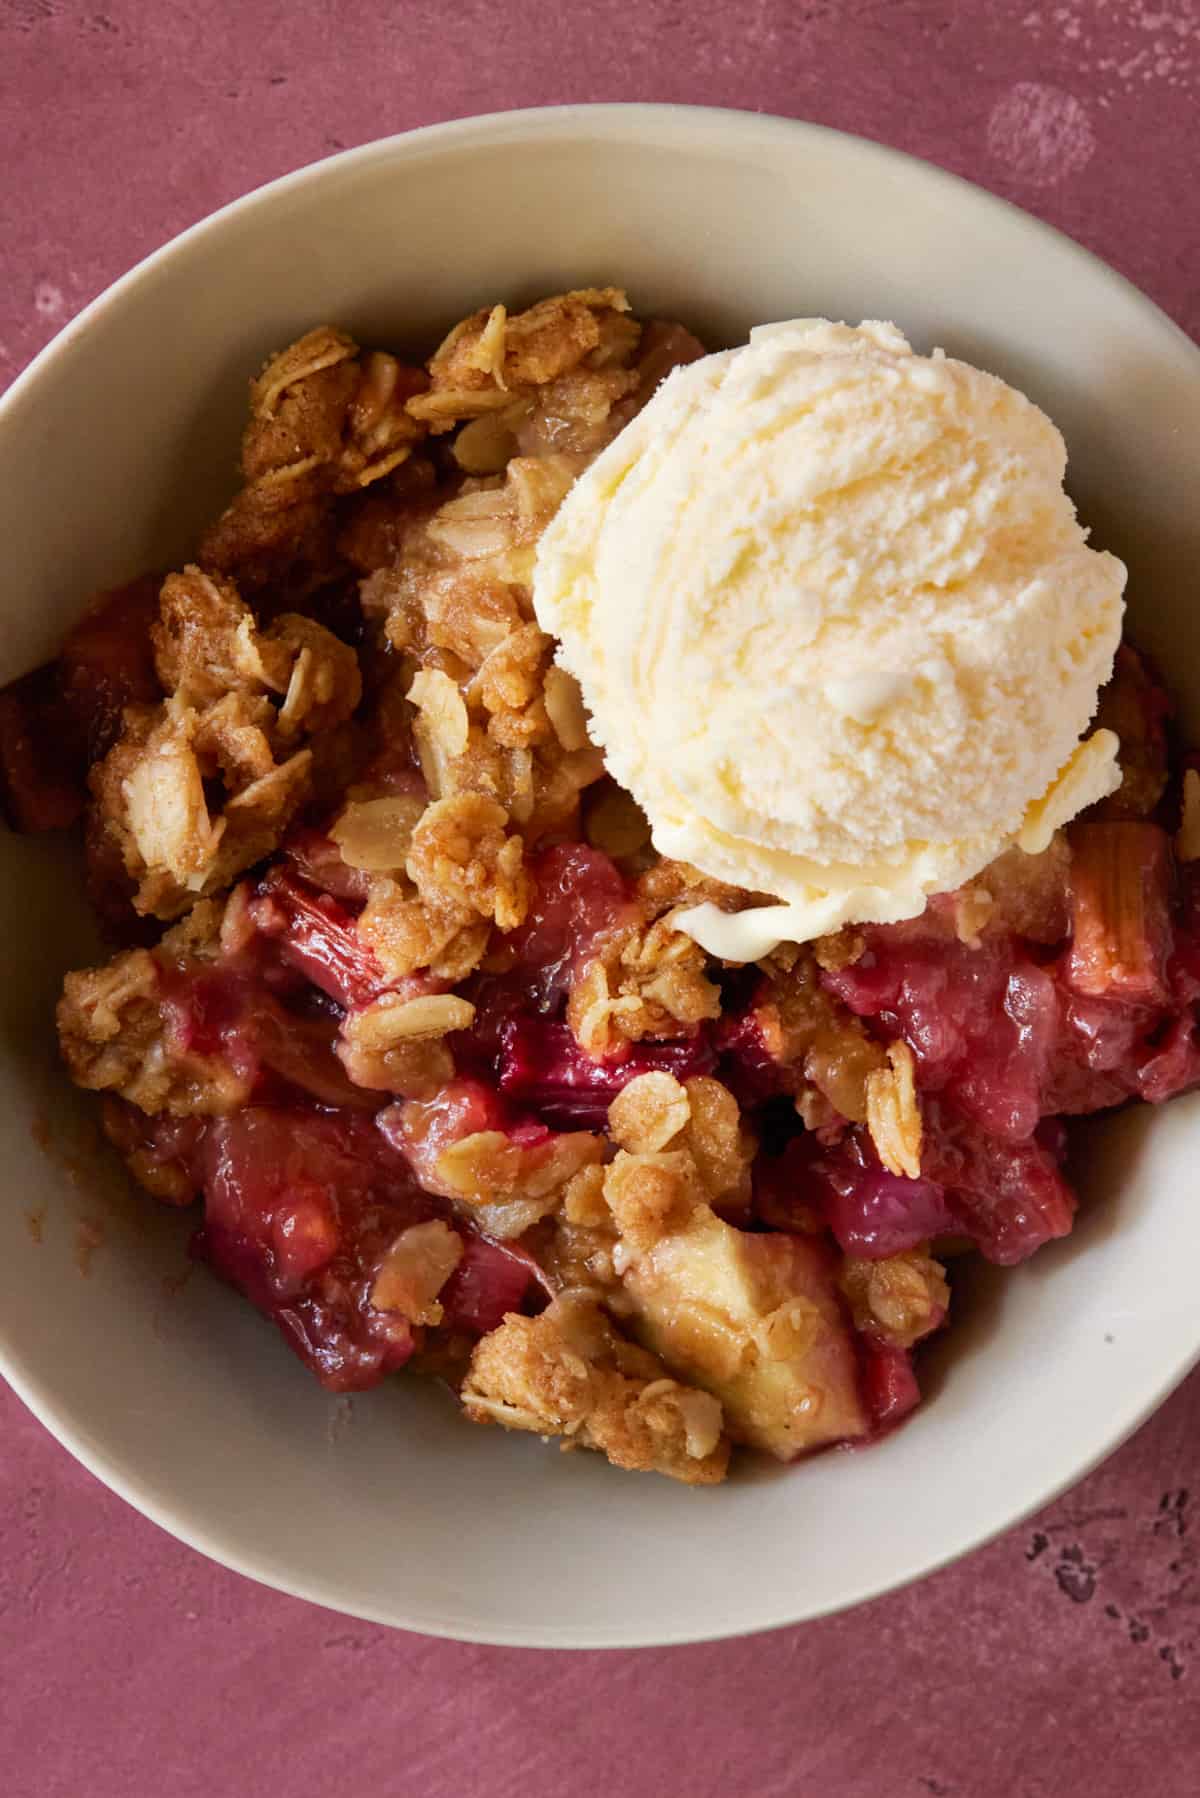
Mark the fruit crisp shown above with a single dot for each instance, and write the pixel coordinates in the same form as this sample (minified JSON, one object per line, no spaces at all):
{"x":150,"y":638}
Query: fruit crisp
{"x":398,"y":1000}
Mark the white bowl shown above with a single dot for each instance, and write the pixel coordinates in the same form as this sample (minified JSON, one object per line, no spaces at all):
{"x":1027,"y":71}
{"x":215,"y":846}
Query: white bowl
{"x":119,"y":442}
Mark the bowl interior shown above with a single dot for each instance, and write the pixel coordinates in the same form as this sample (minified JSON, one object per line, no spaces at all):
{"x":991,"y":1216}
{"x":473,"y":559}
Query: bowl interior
{"x":119,"y":444}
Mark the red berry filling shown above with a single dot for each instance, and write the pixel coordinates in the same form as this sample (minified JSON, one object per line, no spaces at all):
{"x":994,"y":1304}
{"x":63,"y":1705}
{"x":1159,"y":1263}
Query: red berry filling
{"x":300,"y":1212}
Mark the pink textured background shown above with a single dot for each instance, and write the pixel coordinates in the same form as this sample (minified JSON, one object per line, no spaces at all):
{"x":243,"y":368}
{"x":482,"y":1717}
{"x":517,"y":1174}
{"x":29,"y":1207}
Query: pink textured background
{"x":1065,"y":1658}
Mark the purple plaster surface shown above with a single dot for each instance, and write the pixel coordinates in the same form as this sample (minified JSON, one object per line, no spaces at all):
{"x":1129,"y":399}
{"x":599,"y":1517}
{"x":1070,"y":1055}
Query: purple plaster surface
{"x":1063,"y":1659}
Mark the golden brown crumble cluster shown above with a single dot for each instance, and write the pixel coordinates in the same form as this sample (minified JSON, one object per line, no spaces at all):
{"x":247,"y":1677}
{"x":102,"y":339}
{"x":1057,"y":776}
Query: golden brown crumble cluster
{"x":241,"y":708}
{"x":840,"y":1066}
{"x":749,"y":1321}
{"x":115,"y":1035}
{"x":433,"y":759}
{"x":569,"y":1373}
{"x":900,"y":1297}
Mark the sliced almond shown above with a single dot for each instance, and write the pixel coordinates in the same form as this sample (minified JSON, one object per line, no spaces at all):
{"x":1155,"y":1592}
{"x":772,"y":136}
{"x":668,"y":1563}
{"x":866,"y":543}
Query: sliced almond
{"x":443,"y":710}
{"x":485,"y":445}
{"x":376,"y":834}
{"x":323,"y":348}
{"x":391,"y":1019}
{"x":1090,"y":772}
{"x":564,"y":708}
{"x":444,"y":406}
{"x":893,"y":1116}
{"x":487,"y":352}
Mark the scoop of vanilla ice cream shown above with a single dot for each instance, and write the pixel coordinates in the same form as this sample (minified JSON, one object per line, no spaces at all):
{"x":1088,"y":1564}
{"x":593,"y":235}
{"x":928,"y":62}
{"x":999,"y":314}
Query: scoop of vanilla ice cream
{"x":837,"y":625}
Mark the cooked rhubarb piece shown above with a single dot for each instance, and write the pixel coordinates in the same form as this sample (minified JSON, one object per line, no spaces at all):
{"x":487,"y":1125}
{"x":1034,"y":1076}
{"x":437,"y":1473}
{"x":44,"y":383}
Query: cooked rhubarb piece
{"x":107,"y":663}
{"x":318,"y":861}
{"x":423,"y":1131}
{"x":579,"y":894}
{"x":747,"y":1066}
{"x":41,"y":772}
{"x":491,"y":1281}
{"x":1001,"y":1082}
{"x":1120,"y":912}
{"x":1096,"y":1056}
{"x":889,"y":1385}
{"x":507,"y":1170}
{"x":1136,"y":706}
{"x":873,"y":1213}
{"x":302,"y":1212}
{"x":981,"y":1022}
{"x":319,"y":938}
{"x":1174,"y":1065}
{"x":543,"y":1067}
{"x":1008,"y":1197}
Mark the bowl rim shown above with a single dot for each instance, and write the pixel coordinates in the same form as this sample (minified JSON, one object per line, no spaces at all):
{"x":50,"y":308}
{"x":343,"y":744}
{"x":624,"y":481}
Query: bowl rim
{"x":603,"y":121}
